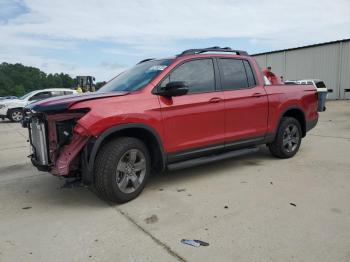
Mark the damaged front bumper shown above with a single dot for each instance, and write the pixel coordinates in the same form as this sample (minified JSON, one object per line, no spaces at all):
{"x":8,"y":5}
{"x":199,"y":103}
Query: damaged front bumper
{"x":56,"y":141}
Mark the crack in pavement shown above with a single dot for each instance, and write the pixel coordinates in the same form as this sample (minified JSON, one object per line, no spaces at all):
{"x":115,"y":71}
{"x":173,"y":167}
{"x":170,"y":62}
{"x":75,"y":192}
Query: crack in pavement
{"x":156,"y":240}
{"x":21,"y":134}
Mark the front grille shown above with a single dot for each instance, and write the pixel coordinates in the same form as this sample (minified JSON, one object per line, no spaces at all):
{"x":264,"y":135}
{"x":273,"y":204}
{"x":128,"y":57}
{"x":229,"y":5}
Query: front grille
{"x":38,"y":141}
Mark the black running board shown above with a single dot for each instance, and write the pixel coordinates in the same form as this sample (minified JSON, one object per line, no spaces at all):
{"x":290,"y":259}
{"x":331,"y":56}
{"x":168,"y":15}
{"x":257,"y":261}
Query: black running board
{"x":211,"y":158}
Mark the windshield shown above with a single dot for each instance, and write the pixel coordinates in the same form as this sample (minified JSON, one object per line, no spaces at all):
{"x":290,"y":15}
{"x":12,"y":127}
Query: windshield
{"x":26,"y":95}
{"x":136,"y":77}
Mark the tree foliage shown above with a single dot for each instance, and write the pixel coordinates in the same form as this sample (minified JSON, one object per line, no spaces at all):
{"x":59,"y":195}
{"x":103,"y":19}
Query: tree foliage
{"x":17,"y":79}
{"x":100,"y":84}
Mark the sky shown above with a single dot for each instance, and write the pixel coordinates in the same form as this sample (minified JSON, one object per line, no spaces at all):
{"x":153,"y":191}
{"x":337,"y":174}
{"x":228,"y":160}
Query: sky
{"x":103,"y":38}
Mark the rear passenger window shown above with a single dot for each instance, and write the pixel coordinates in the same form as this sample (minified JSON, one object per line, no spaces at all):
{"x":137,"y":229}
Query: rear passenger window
{"x":250,"y":75}
{"x":233,"y":74}
{"x":198,"y":74}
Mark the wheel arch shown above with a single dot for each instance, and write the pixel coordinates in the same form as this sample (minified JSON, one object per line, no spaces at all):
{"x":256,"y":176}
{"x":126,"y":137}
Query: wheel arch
{"x":14,"y":108}
{"x":297,"y":113}
{"x":145,"y":133}
{"x":10,"y":110}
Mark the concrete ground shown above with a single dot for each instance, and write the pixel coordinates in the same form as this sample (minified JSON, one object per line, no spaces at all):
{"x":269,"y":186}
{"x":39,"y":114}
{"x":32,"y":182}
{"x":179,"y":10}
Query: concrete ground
{"x":251,"y":208}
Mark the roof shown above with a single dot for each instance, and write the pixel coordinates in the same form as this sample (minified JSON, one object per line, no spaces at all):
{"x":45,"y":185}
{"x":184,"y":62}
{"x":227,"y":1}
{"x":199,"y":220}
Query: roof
{"x":302,"y":47}
{"x":55,"y":89}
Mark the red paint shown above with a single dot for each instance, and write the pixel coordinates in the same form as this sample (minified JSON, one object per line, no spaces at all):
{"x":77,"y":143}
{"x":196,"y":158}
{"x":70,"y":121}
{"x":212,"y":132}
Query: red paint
{"x":68,"y":154}
{"x":246,"y":113}
{"x":189,"y":121}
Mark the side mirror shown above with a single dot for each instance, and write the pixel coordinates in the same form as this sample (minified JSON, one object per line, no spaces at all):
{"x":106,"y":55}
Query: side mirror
{"x":177,"y":88}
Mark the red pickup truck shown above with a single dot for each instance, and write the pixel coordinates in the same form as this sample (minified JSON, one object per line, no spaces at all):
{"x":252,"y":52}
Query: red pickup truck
{"x":199,"y":106}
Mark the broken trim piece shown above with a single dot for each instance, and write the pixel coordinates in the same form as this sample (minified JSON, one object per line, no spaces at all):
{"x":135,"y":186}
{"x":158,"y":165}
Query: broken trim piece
{"x":68,"y":154}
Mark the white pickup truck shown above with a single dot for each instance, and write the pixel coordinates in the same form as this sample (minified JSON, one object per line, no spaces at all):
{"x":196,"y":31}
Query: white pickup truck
{"x":13,"y":108}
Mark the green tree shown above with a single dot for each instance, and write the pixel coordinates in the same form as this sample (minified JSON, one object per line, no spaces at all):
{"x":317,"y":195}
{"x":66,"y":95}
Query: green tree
{"x":100,"y":84}
{"x":19,"y":90}
{"x":17,"y":79}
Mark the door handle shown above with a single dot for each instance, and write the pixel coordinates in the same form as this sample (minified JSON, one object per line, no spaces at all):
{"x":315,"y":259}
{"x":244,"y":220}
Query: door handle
{"x":257,"y":94}
{"x":215,"y":100}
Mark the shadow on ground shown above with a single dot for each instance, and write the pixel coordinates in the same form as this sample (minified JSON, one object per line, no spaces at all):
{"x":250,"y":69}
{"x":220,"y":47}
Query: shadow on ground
{"x":43,"y":188}
{"x":211,"y":169}
{"x":6,"y":121}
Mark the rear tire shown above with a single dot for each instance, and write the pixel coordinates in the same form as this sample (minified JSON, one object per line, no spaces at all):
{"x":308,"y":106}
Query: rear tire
{"x":16,"y":115}
{"x":288,"y":138}
{"x":121,"y":169}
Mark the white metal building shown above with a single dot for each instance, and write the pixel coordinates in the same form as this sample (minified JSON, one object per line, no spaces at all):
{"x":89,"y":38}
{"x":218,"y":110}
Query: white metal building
{"x":326,"y":61}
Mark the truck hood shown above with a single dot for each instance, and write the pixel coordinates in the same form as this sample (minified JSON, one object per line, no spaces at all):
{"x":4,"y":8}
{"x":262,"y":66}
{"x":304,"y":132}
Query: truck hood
{"x":62,"y":103}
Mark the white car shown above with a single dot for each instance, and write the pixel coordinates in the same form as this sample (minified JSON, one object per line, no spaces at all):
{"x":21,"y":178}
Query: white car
{"x":13,"y":108}
{"x":321,"y":90}
{"x":319,"y":84}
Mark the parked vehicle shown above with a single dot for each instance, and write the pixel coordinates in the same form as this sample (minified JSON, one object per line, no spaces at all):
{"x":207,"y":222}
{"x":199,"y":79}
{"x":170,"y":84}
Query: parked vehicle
{"x":7,"y":97}
{"x":321,"y":90}
{"x":290,"y":82}
{"x":319,"y":84}
{"x":2,"y":98}
{"x":13,"y":108}
{"x":201,"y":106}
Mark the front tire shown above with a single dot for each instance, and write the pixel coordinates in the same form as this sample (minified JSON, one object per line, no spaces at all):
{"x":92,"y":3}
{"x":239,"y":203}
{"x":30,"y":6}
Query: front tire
{"x":121,"y":170}
{"x":288,"y":138}
{"x":16,"y":115}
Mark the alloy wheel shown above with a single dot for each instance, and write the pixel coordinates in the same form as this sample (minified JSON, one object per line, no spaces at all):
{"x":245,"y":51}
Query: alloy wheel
{"x":17,"y":116}
{"x":131,"y":170}
{"x":291,"y":138}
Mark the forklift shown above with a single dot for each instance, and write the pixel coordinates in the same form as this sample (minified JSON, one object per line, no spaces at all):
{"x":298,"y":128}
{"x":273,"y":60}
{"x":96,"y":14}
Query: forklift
{"x":85,"y":83}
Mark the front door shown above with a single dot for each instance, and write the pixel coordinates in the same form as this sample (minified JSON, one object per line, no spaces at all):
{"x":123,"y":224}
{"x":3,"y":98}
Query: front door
{"x":194,"y":121}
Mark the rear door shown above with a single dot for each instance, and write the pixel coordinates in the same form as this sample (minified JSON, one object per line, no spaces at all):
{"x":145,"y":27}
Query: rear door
{"x":194,"y":121}
{"x":246,"y":104}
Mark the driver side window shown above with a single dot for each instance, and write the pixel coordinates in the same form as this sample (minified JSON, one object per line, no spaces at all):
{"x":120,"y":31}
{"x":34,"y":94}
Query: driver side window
{"x":198,"y":75}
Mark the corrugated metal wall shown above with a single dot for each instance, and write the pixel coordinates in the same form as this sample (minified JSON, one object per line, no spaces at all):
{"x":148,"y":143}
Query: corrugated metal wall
{"x":329,"y":62}
{"x":345,"y":71}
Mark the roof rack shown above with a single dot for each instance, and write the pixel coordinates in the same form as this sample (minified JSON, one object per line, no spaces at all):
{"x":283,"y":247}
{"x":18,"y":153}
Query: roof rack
{"x":145,"y":60}
{"x":212,"y":49}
